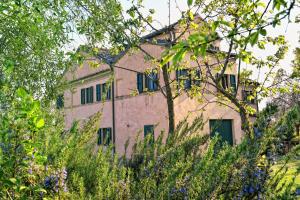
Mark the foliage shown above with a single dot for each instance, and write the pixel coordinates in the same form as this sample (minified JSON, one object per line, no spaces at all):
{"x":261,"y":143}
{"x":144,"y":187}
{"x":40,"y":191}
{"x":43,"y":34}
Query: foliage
{"x":33,"y":33}
{"x":22,"y":161}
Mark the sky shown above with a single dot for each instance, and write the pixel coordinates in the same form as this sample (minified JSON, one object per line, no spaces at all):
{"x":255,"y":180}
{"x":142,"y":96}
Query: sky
{"x":161,"y":19}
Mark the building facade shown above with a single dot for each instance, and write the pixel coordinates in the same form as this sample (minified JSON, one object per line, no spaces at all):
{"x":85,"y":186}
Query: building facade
{"x":132,"y":104}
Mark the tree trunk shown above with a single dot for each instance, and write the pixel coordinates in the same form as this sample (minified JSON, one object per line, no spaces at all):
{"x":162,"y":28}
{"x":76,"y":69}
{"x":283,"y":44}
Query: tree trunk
{"x":170,"y":101}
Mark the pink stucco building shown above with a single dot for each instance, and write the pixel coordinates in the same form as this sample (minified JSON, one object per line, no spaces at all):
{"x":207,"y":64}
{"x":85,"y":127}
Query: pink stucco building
{"x":127,"y":106}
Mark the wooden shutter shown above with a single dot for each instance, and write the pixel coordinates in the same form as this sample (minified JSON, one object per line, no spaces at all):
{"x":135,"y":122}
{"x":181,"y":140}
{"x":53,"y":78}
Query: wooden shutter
{"x":233,"y":82}
{"x":107,"y":136}
{"x":154,"y":80}
{"x":140,"y":79}
{"x":98,"y":92}
{"x":100,"y":136}
{"x":223,"y":128}
{"x":91,"y":94}
{"x":197,"y":78}
{"x":82,"y":96}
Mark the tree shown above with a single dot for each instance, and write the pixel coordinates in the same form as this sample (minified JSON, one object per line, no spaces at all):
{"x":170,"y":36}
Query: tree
{"x":33,"y":35}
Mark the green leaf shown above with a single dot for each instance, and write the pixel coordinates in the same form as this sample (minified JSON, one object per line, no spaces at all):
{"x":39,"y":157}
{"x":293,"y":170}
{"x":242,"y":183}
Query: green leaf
{"x":190,"y":2}
{"x":179,"y":55}
{"x":21,"y":92}
{"x":263,"y":32}
{"x":203,"y":49}
{"x":191,"y":15}
{"x":13,"y":180}
{"x":40,"y":123}
{"x":253,"y":38}
{"x":215,"y":25}
{"x":166,"y":59}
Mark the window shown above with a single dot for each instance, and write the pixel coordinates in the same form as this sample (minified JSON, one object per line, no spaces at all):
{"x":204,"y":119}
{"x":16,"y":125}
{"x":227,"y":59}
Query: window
{"x":149,"y":130}
{"x":98,"y":92}
{"x":151,"y":81}
{"x":140,"y":82}
{"x":183,"y":78}
{"x":60,"y":101}
{"x":89,"y":93}
{"x":104,"y":136}
{"x":82,"y":96}
{"x":147,"y":81}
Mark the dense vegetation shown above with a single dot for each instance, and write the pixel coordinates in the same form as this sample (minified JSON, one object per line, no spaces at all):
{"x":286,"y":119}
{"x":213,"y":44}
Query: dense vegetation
{"x":39,"y":159}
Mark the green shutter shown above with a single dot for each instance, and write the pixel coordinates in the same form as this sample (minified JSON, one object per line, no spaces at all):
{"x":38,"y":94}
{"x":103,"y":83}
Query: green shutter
{"x":98,"y":92}
{"x":140,"y":80}
{"x":100,"y":133}
{"x":107,"y":136}
{"x":233,"y":82}
{"x":91,"y":94}
{"x":223,"y":128}
{"x":82,"y":96}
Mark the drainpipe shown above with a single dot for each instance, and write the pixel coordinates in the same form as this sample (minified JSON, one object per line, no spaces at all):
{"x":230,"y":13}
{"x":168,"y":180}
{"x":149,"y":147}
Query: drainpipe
{"x":113,"y":107}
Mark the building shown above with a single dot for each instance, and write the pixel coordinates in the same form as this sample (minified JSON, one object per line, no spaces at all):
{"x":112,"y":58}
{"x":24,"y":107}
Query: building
{"x":131,"y":102}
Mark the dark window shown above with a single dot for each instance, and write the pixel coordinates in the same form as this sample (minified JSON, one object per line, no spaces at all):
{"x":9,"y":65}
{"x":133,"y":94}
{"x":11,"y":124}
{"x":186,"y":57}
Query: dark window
{"x":233,"y":82}
{"x":151,"y":81}
{"x":82,"y":96}
{"x":60,"y":101}
{"x":183,"y":77}
{"x":104,"y":136}
{"x":140,"y":82}
{"x":149,"y":130}
{"x":223,"y":128}
{"x":89,"y":94}
{"x":98,"y":92}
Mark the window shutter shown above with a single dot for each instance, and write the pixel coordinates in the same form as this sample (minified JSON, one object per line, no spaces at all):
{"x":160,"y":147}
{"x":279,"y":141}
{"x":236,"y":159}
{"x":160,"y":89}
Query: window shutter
{"x":82,"y":96}
{"x":106,"y":136}
{"x":197,"y":78}
{"x":155,"y":79}
{"x":140,"y":78}
{"x":147,"y":82}
{"x":87,"y":95}
{"x":233,"y":82}
{"x":98,"y":92}
{"x":91,"y":94}
{"x":100,"y":130}
{"x":224,"y":81}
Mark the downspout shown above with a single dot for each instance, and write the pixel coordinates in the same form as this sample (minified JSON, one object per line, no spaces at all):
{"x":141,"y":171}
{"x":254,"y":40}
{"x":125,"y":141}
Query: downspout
{"x":113,"y":107}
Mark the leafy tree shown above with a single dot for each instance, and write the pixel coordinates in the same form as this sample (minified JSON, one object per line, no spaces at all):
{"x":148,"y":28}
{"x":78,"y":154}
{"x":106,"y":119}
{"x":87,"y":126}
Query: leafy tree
{"x":33,"y":35}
